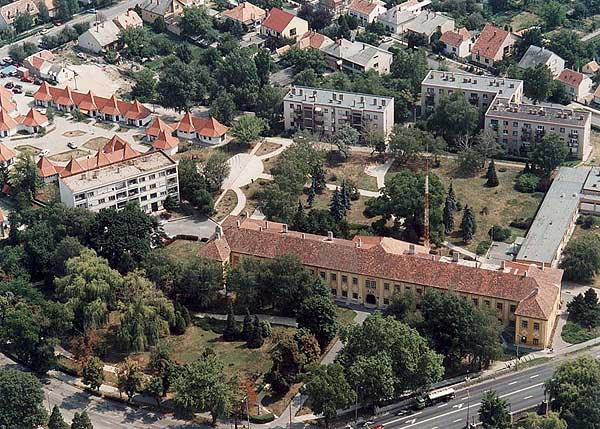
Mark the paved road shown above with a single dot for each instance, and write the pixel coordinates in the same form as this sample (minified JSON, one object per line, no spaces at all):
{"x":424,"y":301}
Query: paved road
{"x":108,"y":13}
{"x":104,"y":414}
{"x":522,"y":390}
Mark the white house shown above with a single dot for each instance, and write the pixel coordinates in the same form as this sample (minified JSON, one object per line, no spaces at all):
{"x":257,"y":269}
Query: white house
{"x":366,"y":11}
{"x":577,"y":85}
{"x":283,"y":25}
{"x":102,"y":36}
{"x":536,"y":56}
{"x":457,"y":43}
{"x":207,"y":130}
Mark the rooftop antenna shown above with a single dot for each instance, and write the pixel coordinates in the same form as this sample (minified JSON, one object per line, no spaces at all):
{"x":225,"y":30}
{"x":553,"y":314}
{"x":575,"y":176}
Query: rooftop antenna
{"x":426,"y":214}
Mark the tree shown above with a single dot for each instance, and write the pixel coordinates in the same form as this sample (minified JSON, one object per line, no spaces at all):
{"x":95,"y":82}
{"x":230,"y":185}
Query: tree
{"x":256,"y":339}
{"x":195,"y":21}
{"x":203,"y":387}
{"x":170,"y":204}
{"x":329,"y":391}
{"x":23,"y":22}
{"x":317,"y":176}
{"x":238,"y":75}
{"x":374,"y":376}
{"x":538,"y":83}
{"x":375,"y":139}
{"x":336,"y":206}
{"x":550,"y":153}
{"x":492,"y":177}
{"x":451,"y":198}
{"x":176,"y":85}
{"x":344,"y":139}
{"x":581,"y":258}
{"x":43,"y":14}
{"x":248,"y":327}
{"x":269,"y":104}
{"x":24,"y":177}
{"x":263,"y":61}
{"x":145,"y":86}
{"x":22,"y":400}
{"x":81,"y":421}
{"x":572,"y":386}
{"x":248,"y":128}
{"x":405,"y":144}
{"x":130,"y":378}
{"x":304,"y":59}
{"x":93,"y":373}
{"x":162,"y":366}
{"x":454,"y":117}
{"x":223,"y":107}
{"x":468,"y":226}
{"x":553,"y":14}
{"x":550,"y":421}
{"x":56,"y":420}
{"x":215,"y":171}
{"x":231,"y":331}
{"x":318,"y":314}
{"x":154,"y":388}
{"x":493,"y":412}
{"x":448,"y":216}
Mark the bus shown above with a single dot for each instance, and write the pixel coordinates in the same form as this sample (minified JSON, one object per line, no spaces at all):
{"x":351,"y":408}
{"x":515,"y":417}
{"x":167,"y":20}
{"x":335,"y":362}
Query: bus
{"x":439,"y":395}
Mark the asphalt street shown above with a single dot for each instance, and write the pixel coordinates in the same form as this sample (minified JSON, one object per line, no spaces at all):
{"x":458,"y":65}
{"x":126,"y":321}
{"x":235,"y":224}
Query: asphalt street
{"x":108,"y":13}
{"x":522,"y":389}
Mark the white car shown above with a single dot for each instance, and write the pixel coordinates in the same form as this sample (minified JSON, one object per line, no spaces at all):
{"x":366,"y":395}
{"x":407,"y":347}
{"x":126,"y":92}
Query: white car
{"x":44,"y":31}
{"x":72,"y":145}
{"x":44,"y":152}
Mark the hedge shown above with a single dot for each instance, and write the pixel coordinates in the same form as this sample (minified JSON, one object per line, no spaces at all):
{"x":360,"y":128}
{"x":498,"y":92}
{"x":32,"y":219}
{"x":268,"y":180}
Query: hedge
{"x":263,"y":418}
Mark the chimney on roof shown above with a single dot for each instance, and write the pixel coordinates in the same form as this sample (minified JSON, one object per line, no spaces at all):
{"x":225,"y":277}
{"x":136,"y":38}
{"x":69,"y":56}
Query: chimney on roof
{"x":525,"y":273}
{"x":503,"y":265}
{"x":247,"y":214}
{"x":237,"y":222}
{"x":411,"y":249}
{"x":266,"y":224}
{"x":455,"y":256}
{"x":285,"y":227}
{"x":329,"y":236}
{"x":219,"y":231}
{"x":359,"y":243}
{"x":543,"y":266}
{"x":303,"y":236}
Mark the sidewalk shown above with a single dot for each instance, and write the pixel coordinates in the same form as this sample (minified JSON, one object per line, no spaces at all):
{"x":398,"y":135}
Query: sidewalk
{"x":273,"y":320}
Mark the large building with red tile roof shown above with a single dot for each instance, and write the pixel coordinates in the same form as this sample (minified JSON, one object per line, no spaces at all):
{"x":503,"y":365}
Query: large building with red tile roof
{"x":280,"y":24}
{"x":109,"y":109}
{"x":207,"y":130}
{"x":105,"y":182}
{"x":48,"y":170}
{"x":369,"y":270}
{"x":576,"y":84}
{"x":492,"y":45}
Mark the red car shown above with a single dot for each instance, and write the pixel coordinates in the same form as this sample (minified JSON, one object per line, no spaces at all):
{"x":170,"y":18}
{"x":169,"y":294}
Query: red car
{"x":27,"y":79}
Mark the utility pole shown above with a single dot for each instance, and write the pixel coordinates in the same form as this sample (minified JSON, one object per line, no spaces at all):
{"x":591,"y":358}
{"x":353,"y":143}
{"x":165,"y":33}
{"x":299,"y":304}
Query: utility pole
{"x":467,"y":379}
{"x":247,"y":412}
{"x":426,"y":214}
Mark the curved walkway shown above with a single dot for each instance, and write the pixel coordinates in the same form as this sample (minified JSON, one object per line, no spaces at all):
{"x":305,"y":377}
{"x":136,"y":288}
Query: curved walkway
{"x":378,"y":171}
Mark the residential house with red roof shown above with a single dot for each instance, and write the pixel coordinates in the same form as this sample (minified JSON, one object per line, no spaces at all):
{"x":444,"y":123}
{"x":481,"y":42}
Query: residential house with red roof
{"x":314,"y":40}
{"x":369,"y":270}
{"x":156,"y":126}
{"x":207,"y":130}
{"x":591,"y":67}
{"x":166,"y":142}
{"x":576,"y":84}
{"x":9,"y":11}
{"x":246,"y":13}
{"x":44,"y":65}
{"x":7,"y":155}
{"x":109,"y":109}
{"x":366,"y":11}
{"x":457,"y":43}
{"x":48,"y":171}
{"x":280,"y":24}
{"x":492,"y":45}
{"x":34,"y":121}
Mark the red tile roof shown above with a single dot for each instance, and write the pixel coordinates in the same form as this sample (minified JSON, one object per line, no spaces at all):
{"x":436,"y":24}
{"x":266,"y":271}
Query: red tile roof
{"x":6,"y":153}
{"x":490,"y":41}
{"x":364,"y":7}
{"x":312,"y":39}
{"x":207,"y":127}
{"x":46,"y":167}
{"x":6,"y":121}
{"x":158,"y":125}
{"x":34,"y":119}
{"x":535,"y":291}
{"x":571,"y":78}
{"x":43,"y":92}
{"x":165,"y":140}
{"x":245,"y":12}
{"x":277,"y":20}
{"x":455,"y":38}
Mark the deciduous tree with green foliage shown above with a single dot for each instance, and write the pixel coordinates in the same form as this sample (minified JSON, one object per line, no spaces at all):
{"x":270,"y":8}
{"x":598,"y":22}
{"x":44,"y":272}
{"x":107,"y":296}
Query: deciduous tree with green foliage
{"x":551,"y":420}
{"x":454,"y":117}
{"x":550,"y":153}
{"x":22,"y":404}
{"x":93,"y":373}
{"x":24,"y":177}
{"x":405,"y":144}
{"x":248,"y":128}
{"x":318,"y":314}
{"x":581,"y":258}
{"x":329,"y":391}
{"x":493,"y":413}
{"x":223,"y":107}
{"x":538,"y":83}
{"x":344,"y":139}
{"x":130,"y":378}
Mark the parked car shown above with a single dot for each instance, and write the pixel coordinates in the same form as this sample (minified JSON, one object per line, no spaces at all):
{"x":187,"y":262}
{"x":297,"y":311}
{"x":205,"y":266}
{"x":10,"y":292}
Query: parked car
{"x":57,"y":23}
{"x":81,"y":55}
{"x":44,"y":31}
{"x":72,"y":145}
{"x":7,"y":60}
{"x":37,"y":81}
{"x":18,"y":86}
{"x":9,"y":85}
{"x":16,"y":90}
{"x":27,"y":79}
{"x":44,"y":152}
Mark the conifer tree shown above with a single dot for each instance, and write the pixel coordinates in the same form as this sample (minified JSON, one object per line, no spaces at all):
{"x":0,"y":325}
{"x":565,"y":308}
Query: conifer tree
{"x":468,"y":225}
{"x":451,"y":198}
{"x":492,"y":177}
{"x":247,"y":328}
{"x":81,"y":421}
{"x":311,"y":196}
{"x":336,"y":206}
{"x":299,"y":221}
{"x":345,"y":195}
{"x":448,"y":217}
{"x":56,"y":420}
{"x":231,"y":331}
{"x":256,"y":339}
{"x":318,"y":178}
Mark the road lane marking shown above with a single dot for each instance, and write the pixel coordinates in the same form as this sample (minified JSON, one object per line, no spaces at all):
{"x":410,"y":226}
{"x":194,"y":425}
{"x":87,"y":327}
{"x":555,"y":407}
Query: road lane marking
{"x":512,"y":382}
{"x":403,"y":418}
{"x":466,"y":397}
{"x":411,"y":421}
{"x":528,"y":397}
{"x":457,"y":420}
{"x":534,"y":376}
{"x":443,"y":405}
{"x":459,"y":406}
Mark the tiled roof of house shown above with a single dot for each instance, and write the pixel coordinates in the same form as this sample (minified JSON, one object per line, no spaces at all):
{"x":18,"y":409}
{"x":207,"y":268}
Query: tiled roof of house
{"x":591,"y":67}
{"x":364,"y":7}
{"x":490,"y":41}
{"x":7,"y":122}
{"x":535,"y":56}
{"x":128,"y":19}
{"x":245,"y":12}
{"x":43,"y":92}
{"x":34,"y":119}
{"x":10,"y":11}
{"x":104,"y":33}
{"x":157,"y":125}
{"x":455,"y":38}
{"x":46,"y":167}
{"x":534,"y":290}
{"x":165,"y":140}
{"x":571,"y":77}
{"x":277,"y":20}
{"x":312,"y":39}
{"x":6,"y":153}
{"x":207,"y":127}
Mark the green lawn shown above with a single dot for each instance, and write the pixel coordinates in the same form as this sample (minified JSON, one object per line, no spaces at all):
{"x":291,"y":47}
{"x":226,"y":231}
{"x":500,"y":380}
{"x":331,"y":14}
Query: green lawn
{"x":183,"y":248}
{"x":351,"y":170}
{"x":575,"y":334}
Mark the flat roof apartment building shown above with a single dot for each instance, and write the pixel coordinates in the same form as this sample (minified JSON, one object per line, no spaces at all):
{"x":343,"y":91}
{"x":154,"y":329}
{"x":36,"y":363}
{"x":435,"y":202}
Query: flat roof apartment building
{"x":145,"y":179}
{"x":369,"y":270}
{"x":521,"y":126}
{"x":479,"y":90}
{"x":325,"y":111}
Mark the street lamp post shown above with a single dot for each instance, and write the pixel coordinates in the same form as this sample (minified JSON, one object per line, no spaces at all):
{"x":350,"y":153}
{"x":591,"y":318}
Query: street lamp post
{"x":467,"y":379}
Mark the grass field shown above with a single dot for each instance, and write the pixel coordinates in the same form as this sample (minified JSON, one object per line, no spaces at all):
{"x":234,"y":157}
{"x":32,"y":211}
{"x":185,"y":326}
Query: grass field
{"x":352,"y":170}
{"x":594,"y":158}
{"x":66,"y":156}
{"x":226,"y":205}
{"x":575,"y":334}
{"x":183,"y":248}
{"x":95,"y":143}
{"x":503,"y":202}
{"x":267,"y":147}
{"x":524,"y":20}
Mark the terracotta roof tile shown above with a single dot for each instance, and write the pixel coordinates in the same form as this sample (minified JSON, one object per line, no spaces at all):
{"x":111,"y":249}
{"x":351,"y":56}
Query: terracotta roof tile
{"x":165,"y":140}
{"x":6,"y":121}
{"x":455,"y":38}
{"x":34,"y":119}
{"x":571,"y":77}
{"x":245,"y":12}
{"x":277,"y":20}
{"x":46,"y":167}
{"x":6,"y":153}
{"x":157,"y":125}
{"x":364,"y":7}
{"x":490,"y":41}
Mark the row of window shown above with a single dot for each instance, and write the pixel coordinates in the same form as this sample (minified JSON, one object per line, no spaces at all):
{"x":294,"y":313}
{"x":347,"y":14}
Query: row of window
{"x":525,"y":325}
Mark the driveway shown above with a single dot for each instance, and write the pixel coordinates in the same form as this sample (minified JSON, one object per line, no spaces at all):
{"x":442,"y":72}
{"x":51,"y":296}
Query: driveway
{"x":201,"y":227}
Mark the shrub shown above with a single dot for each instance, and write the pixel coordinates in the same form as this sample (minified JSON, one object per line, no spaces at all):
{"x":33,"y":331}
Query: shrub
{"x":521,"y":222}
{"x":263,"y":418}
{"x":588,"y":221}
{"x":527,"y":183}
{"x":502,"y":170}
{"x":483,"y":247}
{"x":499,"y":233}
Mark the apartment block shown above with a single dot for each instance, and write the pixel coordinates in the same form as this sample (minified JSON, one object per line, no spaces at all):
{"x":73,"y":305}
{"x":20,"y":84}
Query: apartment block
{"x":521,"y":126}
{"x":145,"y":179}
{"x":479,"y":90}
{"x":325,"y":111}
